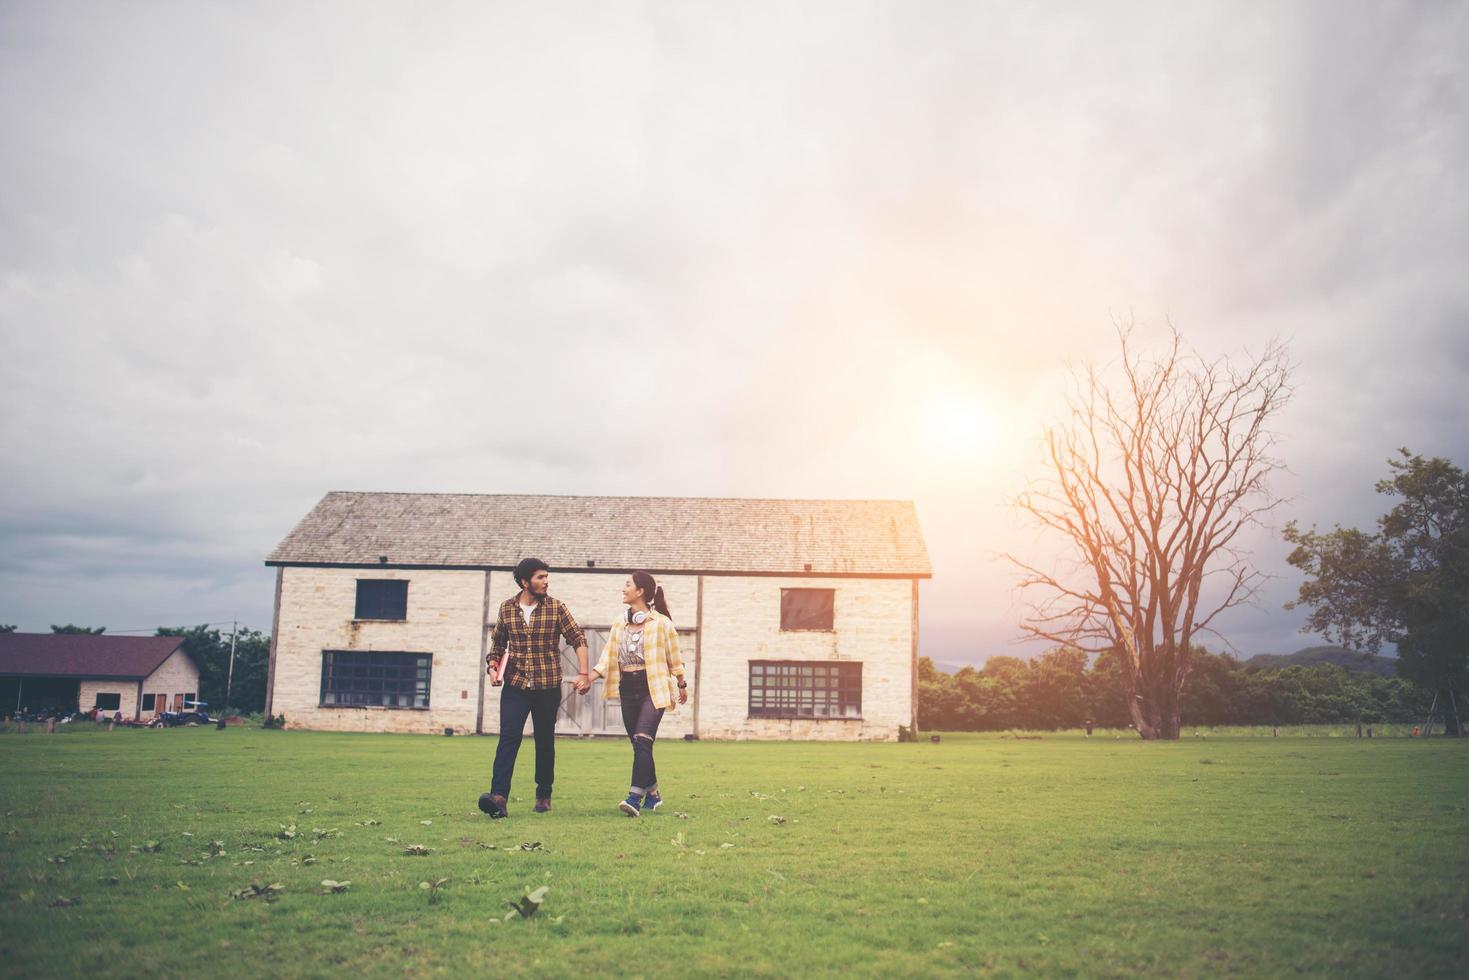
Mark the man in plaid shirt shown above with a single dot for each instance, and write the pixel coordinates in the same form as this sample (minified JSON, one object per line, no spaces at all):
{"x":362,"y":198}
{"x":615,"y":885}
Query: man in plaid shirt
{"x":528,"y":625}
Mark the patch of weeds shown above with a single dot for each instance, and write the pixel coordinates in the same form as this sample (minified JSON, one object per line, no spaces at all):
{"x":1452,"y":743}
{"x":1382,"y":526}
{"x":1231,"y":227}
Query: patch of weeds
{"x":271,"y":893}
{"x":529,"y":905}
{"x":432,"y":887}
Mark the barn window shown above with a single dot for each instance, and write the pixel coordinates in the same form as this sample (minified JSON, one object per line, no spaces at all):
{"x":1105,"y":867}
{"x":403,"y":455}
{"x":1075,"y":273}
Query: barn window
{"x":148,"y":700}
{"x":803,"y":689}
{"x":357,"y":678}
{"x":379,"y":598}
{"x":807,"y":609}
{"x":109,"y":702}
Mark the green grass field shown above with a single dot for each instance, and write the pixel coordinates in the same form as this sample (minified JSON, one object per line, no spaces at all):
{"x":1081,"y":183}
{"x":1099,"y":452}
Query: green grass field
{"x":1063,"y":856}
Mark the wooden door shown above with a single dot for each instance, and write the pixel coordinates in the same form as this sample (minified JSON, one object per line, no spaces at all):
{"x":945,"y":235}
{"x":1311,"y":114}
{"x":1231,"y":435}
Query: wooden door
{"x":178,"y":703}
{"x":593,"y":714}
{"x":590,"y":713}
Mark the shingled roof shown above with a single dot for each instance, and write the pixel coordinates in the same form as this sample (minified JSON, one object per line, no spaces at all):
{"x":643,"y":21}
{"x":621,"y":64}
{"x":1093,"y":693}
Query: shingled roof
{"x":84,"y":655}
{"x":661,"y":534}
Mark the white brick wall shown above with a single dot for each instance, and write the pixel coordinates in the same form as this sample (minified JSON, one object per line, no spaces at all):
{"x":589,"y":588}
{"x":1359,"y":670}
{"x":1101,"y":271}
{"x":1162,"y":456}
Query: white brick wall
{"x":316,"y":614}
{"x":176,"y":675}
{"x":873,"y":624}
{"x":127,"y":691}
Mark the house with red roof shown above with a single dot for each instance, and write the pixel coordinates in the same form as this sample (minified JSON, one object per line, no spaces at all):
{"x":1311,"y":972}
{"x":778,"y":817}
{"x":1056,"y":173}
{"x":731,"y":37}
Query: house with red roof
{"x":136,"y":675}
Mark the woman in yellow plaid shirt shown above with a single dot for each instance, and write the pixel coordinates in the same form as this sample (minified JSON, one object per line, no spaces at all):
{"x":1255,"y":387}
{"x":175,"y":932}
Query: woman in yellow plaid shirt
{"x":643,"y":669}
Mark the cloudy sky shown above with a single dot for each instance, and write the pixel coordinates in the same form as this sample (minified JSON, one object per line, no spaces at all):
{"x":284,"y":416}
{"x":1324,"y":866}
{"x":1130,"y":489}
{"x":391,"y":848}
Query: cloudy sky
{"x":253,"y":253}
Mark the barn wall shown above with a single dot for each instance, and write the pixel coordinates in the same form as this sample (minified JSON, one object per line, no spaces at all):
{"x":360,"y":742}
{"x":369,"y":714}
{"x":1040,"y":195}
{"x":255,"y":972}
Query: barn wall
{"x":873,"y":624}
{"x":448,"y":616}
{"x":176,"y":675}
{"x":317,"y":606}
{"x":88,"y":690}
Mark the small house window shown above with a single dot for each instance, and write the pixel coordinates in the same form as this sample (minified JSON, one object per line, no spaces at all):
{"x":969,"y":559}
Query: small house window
{"x":191,"y":701}
{"x":148,"y":700}
{"x":109,"y":702}
{"x":379,"y":598}
{"x":358,"y":678}
{"x":807,"y":609}
{"x":804,"y":689}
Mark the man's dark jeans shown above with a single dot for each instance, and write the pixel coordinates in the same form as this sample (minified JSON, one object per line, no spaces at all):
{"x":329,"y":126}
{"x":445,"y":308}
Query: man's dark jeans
{"x":517,"y":704}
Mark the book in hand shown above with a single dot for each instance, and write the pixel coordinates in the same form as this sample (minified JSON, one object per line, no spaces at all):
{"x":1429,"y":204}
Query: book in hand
{"x":498,"y":668}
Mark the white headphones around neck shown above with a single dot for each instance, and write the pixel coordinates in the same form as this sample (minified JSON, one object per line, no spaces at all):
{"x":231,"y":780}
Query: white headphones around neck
{"x":636,"y":618}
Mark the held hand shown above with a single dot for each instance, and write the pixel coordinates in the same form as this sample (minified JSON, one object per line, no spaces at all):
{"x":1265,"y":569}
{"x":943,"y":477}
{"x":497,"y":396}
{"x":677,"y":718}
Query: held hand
{"x":683,"y":695}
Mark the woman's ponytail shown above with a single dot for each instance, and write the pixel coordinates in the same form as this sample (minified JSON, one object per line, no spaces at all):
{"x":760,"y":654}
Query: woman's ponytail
{"x":652,"y":592}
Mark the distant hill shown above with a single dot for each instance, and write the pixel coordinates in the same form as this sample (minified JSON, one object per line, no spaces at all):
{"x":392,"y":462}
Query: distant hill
{"x":1381,"y":665}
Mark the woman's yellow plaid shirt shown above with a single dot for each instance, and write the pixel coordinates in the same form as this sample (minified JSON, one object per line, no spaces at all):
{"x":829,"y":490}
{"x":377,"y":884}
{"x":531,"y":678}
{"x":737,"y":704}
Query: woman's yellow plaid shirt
{"x":660,"y":654}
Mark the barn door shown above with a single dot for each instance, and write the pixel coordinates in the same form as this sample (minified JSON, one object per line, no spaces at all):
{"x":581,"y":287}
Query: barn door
{"x":589,"y":714}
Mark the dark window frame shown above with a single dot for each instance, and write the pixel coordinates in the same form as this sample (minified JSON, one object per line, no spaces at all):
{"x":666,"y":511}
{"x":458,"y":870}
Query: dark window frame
{"x":149,"y":700}
{"x":367,"y":678}
{"x":114,"y":696}
{"x":821,"y":690}
{"x":796,"y":616}
{"x":378,"y":601}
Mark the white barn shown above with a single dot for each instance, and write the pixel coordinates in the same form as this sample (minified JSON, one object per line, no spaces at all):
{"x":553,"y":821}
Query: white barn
{"x":798,"y":618}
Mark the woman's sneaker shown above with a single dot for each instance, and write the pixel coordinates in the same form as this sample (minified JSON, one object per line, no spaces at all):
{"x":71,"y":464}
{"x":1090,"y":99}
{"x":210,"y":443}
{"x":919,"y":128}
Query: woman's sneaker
{"x":652,"y":801}
{"x":631,"y":805}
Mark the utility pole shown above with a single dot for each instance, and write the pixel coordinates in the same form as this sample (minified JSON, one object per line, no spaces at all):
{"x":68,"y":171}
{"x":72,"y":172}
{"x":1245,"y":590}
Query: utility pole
{"x":229,"y":677}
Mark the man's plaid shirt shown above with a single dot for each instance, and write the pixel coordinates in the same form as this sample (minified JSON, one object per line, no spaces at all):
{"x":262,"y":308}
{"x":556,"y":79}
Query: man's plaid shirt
{"x":535,"y":659}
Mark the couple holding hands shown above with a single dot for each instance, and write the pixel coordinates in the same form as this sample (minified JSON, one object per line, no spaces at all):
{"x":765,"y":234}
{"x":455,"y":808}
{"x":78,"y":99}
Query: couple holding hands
{"x":641,"y":665}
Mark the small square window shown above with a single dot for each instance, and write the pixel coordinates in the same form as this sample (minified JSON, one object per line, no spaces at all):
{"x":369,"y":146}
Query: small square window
{"x":382,"y":599}
{"x":109,"y":702}
{"x":807,"y":609}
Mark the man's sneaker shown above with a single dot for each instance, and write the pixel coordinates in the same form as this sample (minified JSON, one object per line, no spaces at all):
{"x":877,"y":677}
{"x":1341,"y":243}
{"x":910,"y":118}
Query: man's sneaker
{"x":652,"y":801}
{"x":631,"y":805}
{"x":543,"y":804}
{"x":494,"y":805}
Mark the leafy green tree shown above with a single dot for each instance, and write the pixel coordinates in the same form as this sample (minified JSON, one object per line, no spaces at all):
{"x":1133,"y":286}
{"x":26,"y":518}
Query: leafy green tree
{"x":1055,"y":695}
{"x":79,"y":630}
{"x":1214,"y":690}
{"x":1407,"y":584}
{"x":7,"y":628}
{"x":1058,"y":690}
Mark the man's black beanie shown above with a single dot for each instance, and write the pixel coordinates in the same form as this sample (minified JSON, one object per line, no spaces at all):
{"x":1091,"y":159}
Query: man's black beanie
{"x":527,"y":568}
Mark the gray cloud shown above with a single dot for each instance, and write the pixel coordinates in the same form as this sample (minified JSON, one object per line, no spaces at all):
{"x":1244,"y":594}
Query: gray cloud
{"x":251,"y":254}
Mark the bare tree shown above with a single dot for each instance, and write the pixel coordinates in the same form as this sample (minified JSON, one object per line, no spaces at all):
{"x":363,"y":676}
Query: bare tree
{"x":1150,"y":481}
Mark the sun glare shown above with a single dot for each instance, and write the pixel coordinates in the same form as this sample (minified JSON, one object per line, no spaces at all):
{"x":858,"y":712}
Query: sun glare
{"x":957,"y":423}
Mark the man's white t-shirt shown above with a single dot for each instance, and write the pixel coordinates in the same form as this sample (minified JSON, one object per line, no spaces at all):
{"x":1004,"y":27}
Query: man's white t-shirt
{"x":525,"y":611}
